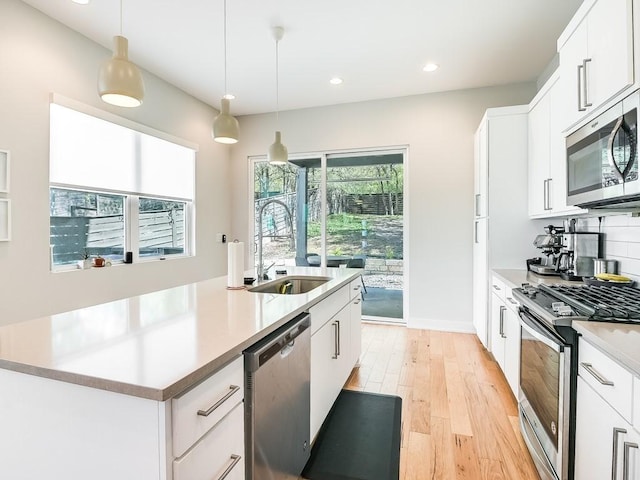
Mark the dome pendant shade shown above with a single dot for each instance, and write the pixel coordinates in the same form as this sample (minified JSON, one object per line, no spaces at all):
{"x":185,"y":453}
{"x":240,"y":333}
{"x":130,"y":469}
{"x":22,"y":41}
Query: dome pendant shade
{"x":278,"y":154}
{"x":120,"y":81}
{"x":225,"y":126}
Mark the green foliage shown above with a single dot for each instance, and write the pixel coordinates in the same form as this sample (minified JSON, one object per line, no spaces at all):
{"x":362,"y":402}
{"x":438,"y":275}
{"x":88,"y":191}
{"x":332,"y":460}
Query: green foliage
{"x":388,"y":252}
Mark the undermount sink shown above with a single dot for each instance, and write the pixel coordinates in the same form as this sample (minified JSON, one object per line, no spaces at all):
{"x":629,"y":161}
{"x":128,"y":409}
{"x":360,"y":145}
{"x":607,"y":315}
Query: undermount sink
{"x":291,"y":285}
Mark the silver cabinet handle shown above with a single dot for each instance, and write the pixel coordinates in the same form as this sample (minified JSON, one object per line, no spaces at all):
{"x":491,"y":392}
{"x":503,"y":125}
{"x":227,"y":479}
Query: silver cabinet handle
{"x":580,"y":107}
{"x":502,"y":310}
{"x":357,"y":287}
{"x":357,"y":301}
{"x":475,"y":232}
{"x":234,"y":461}
{"x":512,"y":301}
{"x":597,"y":375}
{"x":336,"y":348}
{"x":232,"y":389}
{"x":587,"y":103}
{"x":477,"y":204}
{"x":547,"y":194}
{"x":496,"y":288}
{"x":338,"y":322}
{"x":614,"y":454}
{"x":544,"y":194}
{"x":625,"y":455}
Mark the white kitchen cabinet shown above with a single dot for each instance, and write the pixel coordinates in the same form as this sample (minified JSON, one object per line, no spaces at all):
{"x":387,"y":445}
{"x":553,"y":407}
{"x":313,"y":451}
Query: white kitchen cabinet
{"x":505,"y":333}
{"x":502,"y":238}
{"x":335,"y":348}
{"x":219,"y":454}
{"x":355,"y":335}
{"x":547,"y":154}
{"x":596,"y":57}
{"x":601,"y":431}
{"x":481,"y":171}
{"x":606,"y":441}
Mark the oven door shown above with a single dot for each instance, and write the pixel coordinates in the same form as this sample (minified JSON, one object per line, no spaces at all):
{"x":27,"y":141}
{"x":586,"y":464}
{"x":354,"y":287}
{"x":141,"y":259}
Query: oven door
{"x":544,"y":396}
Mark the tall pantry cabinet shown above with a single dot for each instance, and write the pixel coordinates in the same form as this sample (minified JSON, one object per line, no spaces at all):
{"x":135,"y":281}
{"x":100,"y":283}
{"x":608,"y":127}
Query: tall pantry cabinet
{"x":502,"y":232}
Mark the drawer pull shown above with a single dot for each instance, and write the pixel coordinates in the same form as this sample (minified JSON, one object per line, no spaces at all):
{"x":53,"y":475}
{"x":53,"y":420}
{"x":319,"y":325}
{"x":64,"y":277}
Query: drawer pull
{"x":234,"y":461}
{"x":589,"y":368}
{"x":496,"y":288}
{"x":357,"y":287}
{"x":614,"y":455}
{"x":625,"y":455}
{"x":356,"y":302}
{"x":232,"y":389}
{"x":512,"y":301}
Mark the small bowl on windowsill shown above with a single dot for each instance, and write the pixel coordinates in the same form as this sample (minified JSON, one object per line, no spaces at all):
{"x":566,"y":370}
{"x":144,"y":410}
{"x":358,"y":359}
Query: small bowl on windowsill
{"x":249,"y":280}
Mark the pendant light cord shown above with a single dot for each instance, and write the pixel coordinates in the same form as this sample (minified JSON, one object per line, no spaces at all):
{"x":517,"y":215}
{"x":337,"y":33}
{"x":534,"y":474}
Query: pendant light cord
{"x":277,"y":89}
{"x":225,"y":49}
{"x":120,"y":17}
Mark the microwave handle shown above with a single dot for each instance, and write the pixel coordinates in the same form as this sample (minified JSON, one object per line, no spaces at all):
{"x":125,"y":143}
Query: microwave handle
{"x":620,"y":124}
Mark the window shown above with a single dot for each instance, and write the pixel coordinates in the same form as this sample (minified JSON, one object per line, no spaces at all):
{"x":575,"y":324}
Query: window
{"x":115,"y":189}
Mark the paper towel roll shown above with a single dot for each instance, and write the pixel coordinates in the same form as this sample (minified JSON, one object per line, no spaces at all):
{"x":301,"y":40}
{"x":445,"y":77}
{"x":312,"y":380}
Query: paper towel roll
{"x":235,"y":265}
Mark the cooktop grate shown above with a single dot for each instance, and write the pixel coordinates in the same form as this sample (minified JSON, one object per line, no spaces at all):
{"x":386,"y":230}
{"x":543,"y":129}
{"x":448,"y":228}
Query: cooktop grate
{"x":600,"y":303}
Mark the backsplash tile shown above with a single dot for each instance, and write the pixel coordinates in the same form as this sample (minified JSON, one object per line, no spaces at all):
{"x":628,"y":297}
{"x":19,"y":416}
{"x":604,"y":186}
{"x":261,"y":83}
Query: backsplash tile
{"x":622,"y":240}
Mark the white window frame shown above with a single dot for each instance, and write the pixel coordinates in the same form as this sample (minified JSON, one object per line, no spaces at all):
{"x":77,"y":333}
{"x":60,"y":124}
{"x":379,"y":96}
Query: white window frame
{"x":131,"y":199}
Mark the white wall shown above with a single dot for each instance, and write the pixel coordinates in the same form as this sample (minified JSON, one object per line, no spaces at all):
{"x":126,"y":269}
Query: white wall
{"x":622,"y":240}
{"x":438,"y":129}
{"x":38,"y":56}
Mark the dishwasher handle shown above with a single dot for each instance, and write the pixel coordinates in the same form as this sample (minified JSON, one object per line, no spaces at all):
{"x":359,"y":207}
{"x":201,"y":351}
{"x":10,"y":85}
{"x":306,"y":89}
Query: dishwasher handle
{"x":283,"y":338}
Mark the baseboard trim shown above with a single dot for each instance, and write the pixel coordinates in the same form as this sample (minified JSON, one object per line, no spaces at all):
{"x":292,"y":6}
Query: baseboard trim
{"x":441,"y":325}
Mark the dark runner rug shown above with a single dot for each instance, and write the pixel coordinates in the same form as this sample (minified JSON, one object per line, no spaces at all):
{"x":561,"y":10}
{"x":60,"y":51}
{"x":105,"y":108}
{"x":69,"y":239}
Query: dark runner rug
{"x":359,"y":440}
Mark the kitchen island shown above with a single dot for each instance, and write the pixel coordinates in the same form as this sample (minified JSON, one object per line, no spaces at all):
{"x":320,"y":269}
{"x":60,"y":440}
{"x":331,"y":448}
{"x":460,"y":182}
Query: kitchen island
{"x":98,"y":392}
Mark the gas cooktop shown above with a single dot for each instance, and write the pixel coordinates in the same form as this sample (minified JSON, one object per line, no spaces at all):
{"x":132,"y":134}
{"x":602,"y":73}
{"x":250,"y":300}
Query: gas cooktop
{"x":561,"y":304}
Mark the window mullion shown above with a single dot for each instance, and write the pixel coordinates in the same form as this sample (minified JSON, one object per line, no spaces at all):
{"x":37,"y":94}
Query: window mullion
{"x":132,"y":234}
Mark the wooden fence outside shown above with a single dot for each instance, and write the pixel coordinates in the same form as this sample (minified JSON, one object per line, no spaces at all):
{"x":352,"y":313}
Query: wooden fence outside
{"x":70,"y":237}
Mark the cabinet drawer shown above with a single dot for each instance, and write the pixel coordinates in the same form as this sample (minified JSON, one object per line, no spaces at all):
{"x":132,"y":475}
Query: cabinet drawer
{"x":608,"y":378}
{"x":325,"y":310}
{"x":509,"y":300}
{"x":220,"y":451}
{"x":354,"y":288}
{"x":199,"y":409}
{"x":498,"y":287}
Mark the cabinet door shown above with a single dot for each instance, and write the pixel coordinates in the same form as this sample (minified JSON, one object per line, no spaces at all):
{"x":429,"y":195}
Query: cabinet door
{"x":572,"y":54}
{"x":481,"y":167}
{"x":512,"y":350}
{"x":498,"y":337}
{"x":538,"y":162}
{"x":329,"y":365}
{"x":610,"y":48}
{"x":599,"y":431}
{"x":356,"y":331}
{"x":480,"y":282}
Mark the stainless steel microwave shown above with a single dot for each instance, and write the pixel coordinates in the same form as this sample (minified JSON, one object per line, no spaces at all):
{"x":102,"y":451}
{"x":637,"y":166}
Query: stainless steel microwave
{"x":602,"y":159}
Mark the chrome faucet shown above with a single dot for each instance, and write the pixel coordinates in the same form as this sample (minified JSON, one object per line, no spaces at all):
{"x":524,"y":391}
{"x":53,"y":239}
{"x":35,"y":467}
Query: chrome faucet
{"x":261,"y":270}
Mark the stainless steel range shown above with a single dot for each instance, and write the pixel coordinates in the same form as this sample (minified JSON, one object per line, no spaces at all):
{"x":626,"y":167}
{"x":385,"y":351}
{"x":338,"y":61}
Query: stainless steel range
{"x":549,"y":360}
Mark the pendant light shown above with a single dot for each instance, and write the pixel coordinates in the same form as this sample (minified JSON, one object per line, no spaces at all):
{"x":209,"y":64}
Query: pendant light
{"x":277,"y":154}
{"x":119,"y":80}
{"x":225,"y":126}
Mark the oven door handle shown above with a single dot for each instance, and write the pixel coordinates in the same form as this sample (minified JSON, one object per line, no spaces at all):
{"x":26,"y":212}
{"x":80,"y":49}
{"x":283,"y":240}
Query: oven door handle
{"x":536,"y":332}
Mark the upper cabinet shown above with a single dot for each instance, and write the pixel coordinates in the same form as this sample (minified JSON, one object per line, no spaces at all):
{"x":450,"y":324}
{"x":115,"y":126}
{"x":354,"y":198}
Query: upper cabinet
{"x":481,"y":172}
{"x":596,"y":57}
{"x":547,"y":171}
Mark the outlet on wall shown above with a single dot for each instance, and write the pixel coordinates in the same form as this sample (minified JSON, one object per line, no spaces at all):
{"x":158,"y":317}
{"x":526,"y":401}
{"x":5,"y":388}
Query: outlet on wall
{"x":221,"y":238}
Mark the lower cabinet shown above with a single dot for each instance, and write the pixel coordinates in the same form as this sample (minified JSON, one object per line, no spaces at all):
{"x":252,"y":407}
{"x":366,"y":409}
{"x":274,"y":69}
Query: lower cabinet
{"x":606,"y":441}
{"x":505,"y":333}
{"x":219,"y":454}
{"x":335,"y":348}
{"x":606,"y":445}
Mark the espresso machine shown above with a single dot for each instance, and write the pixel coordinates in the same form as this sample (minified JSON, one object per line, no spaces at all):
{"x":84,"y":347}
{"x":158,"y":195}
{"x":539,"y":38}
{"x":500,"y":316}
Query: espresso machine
{"x":579,"y":250}
{"x":551,"y":245}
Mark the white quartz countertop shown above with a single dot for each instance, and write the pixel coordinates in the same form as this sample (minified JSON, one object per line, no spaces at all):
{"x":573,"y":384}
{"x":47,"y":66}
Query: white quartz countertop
{"x":620,"y":341}
{"x":515,"y":278}
{"x":158,"y":344}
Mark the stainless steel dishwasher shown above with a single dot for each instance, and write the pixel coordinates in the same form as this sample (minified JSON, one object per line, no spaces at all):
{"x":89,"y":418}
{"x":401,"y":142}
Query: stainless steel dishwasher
{"x":277,"y":396}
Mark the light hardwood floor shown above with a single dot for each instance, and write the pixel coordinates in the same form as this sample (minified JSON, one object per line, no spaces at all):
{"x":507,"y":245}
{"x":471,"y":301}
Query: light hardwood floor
{"x":459,"y":418}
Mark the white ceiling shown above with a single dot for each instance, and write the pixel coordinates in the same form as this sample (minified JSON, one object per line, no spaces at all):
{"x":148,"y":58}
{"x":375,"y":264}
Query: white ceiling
{"x":378,"y":46}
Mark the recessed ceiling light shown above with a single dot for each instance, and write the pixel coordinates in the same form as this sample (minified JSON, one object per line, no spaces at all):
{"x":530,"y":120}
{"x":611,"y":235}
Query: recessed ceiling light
{"x":81,"y":2}
{"x":229,"y":96}
{"x":431,"y":67}
{"x":335,"y":81}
